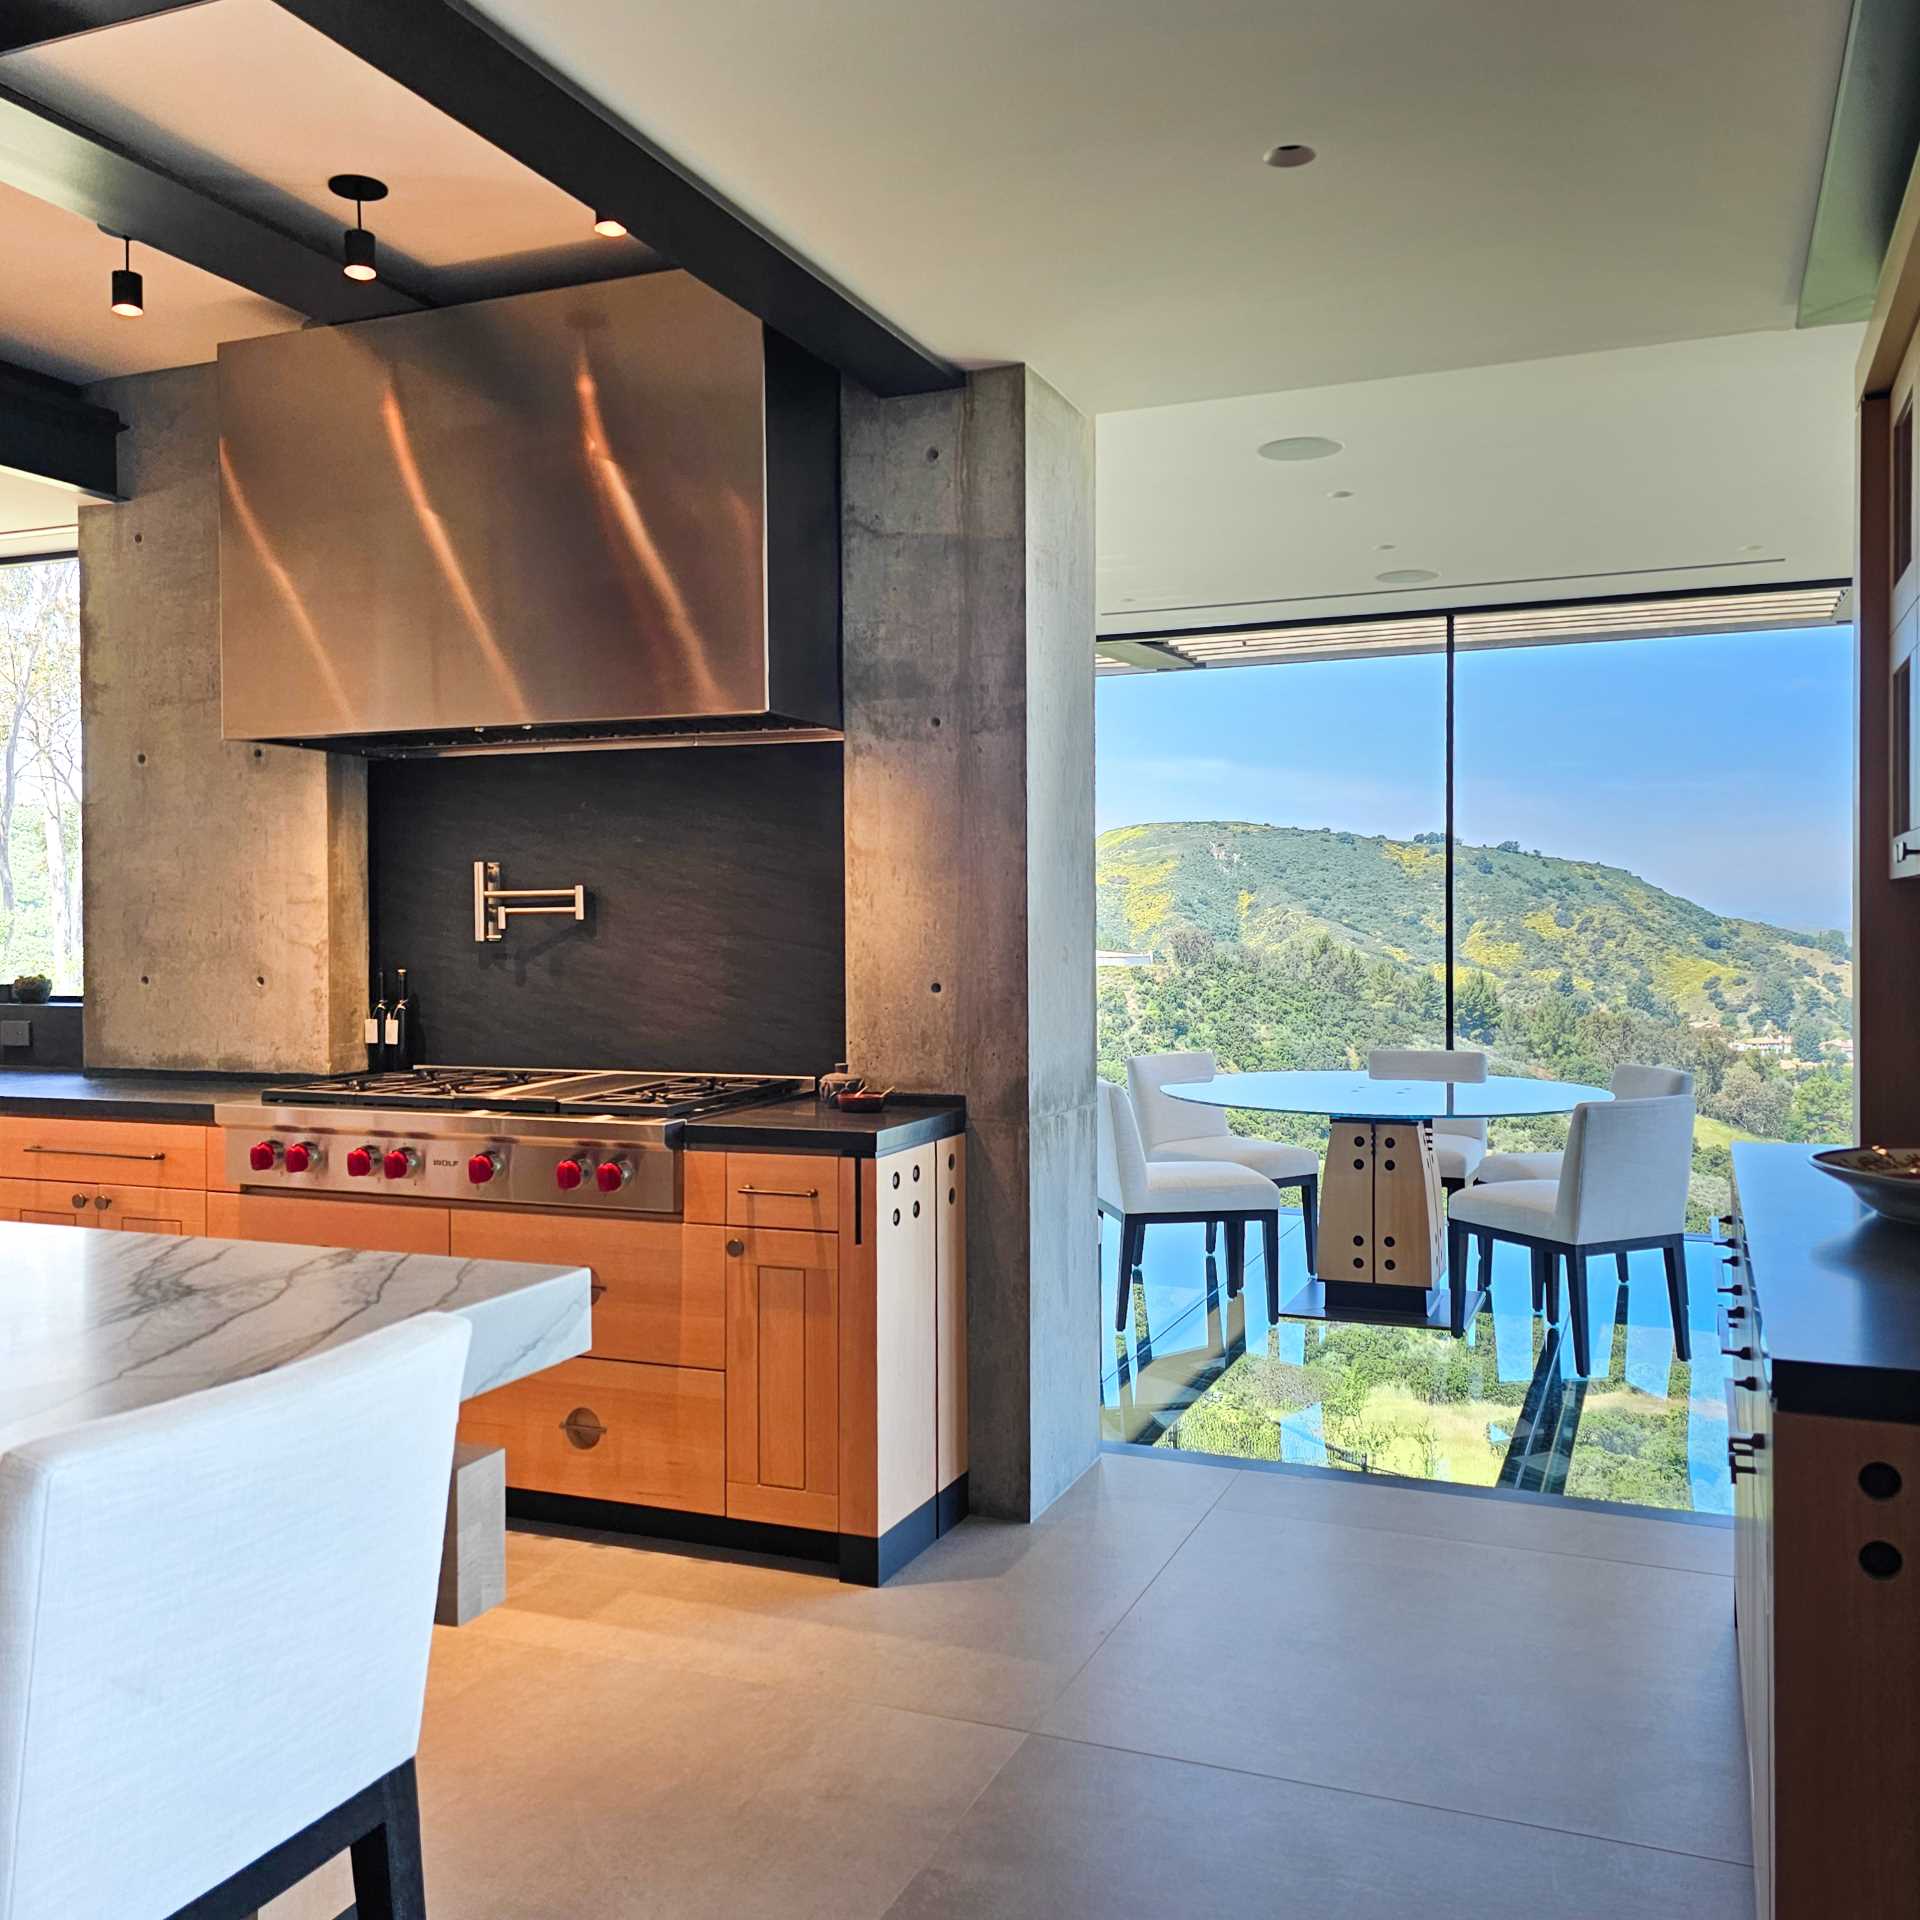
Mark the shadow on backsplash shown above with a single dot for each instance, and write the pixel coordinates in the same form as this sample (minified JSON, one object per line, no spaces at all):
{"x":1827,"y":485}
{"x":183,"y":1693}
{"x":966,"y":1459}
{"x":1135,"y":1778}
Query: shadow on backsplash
{"x":715,"y":934}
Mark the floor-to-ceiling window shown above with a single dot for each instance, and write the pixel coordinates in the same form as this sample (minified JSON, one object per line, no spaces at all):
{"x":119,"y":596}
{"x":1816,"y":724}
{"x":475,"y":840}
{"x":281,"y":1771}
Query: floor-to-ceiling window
{"x":1649,"y":862}
{"x":40,"y":772}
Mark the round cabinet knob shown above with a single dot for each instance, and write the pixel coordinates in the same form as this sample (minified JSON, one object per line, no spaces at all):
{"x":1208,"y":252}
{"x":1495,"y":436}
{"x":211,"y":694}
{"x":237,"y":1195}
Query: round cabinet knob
{"x":567,"y":1174}
{"x":399,"y":1162}
{"x":262,"y":1154}
{"x":360,"y":1162}
{"x":482,"y":1167}
{"x":301,"y":1156}
{"x":611,"y":1175}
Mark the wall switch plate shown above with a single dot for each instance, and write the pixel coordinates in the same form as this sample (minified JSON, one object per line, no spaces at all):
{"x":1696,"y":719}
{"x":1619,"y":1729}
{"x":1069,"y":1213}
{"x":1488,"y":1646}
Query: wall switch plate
{"x":16,"y":1033}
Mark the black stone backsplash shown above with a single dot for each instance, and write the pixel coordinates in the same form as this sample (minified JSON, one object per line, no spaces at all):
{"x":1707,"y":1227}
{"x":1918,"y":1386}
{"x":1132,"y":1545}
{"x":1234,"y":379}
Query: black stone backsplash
{"x":715,"y":935}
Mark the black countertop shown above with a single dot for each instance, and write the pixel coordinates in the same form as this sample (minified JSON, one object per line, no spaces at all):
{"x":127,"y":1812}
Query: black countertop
{"x":189,"y":1099}
{"x":805,"y":1126}
{"x":1838,"y":1289}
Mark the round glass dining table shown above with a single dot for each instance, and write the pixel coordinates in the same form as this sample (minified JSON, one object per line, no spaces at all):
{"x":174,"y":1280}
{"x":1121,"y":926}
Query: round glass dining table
{"x":1358,"y":1096}
{"x":1380,"y":1246}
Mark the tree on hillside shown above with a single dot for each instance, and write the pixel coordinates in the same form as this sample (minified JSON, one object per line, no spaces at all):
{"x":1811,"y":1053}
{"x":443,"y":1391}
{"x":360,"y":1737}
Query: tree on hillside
{"x":1476,"y":1007}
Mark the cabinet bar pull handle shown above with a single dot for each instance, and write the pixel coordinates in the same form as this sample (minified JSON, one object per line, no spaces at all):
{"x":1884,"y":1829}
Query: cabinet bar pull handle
{"x":782,"y":1193}
{"x":91,"y":1153}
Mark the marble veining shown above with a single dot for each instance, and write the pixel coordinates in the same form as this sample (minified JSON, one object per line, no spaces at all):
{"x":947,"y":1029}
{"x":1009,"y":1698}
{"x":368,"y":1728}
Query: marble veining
{"x":94,"y":1323}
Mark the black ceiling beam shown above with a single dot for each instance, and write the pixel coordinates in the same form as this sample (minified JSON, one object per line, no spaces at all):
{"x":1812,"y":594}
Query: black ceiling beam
{"x":501,"y":92}
{"x":50,"y":430}
{"x":33,"y":23}
{"x":55,"y":159}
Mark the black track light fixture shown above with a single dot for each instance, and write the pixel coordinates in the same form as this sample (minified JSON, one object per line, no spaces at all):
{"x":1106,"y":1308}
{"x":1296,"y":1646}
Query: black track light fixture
{"x":609,"y":225}
{"x":357,"y":256}
{"x":129,"y":289}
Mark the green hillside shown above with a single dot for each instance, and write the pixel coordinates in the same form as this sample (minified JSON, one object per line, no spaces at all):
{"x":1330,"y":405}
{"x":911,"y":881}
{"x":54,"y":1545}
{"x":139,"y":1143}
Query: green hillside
{"x":1288,"y":947}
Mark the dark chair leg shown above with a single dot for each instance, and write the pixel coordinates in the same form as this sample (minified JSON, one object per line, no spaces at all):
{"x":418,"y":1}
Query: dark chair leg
{"x":1577,"y":1309}
{"x":388,"y":1880}
{"x":1133,"y":1234}
{"x":1552,"y":1259}
{"x":1621,"y":1260}
{"x":1675,"y":1251}
{"x":1236,"y":1254}
{"x":1457,"y":1275}
{"x":1310,"y":1216}
{"x":1486,"y":1261}
{"x":1539,"y":1263}
{"x":1213,"y":1234}
{"x":1270,"y":1248}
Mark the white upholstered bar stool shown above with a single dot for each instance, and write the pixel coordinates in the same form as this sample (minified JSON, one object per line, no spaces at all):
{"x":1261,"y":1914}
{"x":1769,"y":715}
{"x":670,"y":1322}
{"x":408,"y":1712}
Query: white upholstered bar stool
{"x":1457,"y":1144}
{"x":1623,"y":1185}
{"x":1174,"y":1129}
{"x":214,"y":1623}
{"x":1140,"y":1193}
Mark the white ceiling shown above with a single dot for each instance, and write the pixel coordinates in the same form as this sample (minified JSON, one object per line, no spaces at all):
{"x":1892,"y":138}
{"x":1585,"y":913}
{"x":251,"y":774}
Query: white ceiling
{"x":1710,"y":463}
{"x":1079,"y":185}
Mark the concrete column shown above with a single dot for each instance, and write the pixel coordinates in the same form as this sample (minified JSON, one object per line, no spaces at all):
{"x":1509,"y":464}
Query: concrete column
{"x":970,"y":909}
{"x":223,"y":885}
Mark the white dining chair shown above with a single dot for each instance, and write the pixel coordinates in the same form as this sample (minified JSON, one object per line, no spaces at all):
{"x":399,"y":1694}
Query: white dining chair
{"x":1626,"y":1082}
{"x":1622,"y":1186}
{"x":1141,"y":1193}
{"x":1457,"y":1144}
{"x":1176,"y":1129}
{"x":214,"y":1623}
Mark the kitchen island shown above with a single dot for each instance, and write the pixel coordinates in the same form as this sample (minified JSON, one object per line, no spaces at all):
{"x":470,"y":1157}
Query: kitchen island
{"x":100,"y":1323}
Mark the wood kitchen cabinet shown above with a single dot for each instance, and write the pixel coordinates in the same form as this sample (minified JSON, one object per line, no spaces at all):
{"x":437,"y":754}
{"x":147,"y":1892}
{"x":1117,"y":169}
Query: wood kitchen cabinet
{"x":151,"y":1153}
{"x":371,"y":1226}
{"x":783,"y":1375}
{"x":77,"y":1203}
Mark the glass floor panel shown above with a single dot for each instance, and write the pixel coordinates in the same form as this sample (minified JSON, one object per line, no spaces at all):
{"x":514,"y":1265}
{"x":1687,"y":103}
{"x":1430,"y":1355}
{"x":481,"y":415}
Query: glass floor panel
{"x":1501,"y":1408}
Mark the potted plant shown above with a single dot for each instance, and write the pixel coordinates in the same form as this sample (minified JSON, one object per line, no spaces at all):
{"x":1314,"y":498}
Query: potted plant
{"x":32,"y":988}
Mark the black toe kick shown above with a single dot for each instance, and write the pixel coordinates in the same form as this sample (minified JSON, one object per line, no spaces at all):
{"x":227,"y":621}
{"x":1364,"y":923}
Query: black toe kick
{"x":861,"y":1559}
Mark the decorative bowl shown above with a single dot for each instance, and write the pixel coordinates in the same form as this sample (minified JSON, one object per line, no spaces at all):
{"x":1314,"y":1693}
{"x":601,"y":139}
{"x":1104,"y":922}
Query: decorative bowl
{"x":1886,"y":1178}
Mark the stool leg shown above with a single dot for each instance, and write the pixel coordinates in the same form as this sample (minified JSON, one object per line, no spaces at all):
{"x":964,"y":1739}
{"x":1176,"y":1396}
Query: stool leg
{"x":1236,"y":1254}
{"x":1675,"y":1251}
{"x":389,"y":1882}
{"x":1577,"y":1307}
{"x":1539,"y":1262}
{"x":1270,"y":1249}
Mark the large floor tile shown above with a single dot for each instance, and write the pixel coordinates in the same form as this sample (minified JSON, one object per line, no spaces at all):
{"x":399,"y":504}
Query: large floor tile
{"x":581,"y":1786}
{"x":1547,"y":1526}
{"x":990,"y":1624}
{"x":1067,"y":1829}
{"x":1596,"y":1696}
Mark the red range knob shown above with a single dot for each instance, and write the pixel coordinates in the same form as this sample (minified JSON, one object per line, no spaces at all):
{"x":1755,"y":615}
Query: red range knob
{"x":482,"y":1167}
{"x":300,"y":1156}
{"x":360,"y":1162}
{"x":398,"y":1163}
{"x":262,"y":1154}
{"x":567,"y":1175}
{"x":611,"y":1175}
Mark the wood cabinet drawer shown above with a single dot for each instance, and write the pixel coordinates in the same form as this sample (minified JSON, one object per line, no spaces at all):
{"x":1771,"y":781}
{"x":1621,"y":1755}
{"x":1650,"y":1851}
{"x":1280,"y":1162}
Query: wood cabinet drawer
{"x":611,"y":1430}
{"x":150,"y":1152}
{"x":373,"y":1226}
{"x":660,"y":1289}
{"x":798,"y":1191}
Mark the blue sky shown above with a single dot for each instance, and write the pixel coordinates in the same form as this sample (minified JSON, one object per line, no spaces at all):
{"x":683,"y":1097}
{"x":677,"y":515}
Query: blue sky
{"x":1720,"y":768}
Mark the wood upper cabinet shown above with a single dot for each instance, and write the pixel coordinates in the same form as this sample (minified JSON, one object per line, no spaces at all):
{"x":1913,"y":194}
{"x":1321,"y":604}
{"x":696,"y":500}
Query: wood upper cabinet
{"x":659,"y":1289}
{"x":783,"y":1375}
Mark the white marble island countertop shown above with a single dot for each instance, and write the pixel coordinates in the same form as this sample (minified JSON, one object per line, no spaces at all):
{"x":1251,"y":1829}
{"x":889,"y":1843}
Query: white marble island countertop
{"x":95,"y":1323}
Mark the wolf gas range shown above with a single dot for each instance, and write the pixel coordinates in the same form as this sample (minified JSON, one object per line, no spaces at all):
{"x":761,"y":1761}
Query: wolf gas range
{"x":515,"y":1136}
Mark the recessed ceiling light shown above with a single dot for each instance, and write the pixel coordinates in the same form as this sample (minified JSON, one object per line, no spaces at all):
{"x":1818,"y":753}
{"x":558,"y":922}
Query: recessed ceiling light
{"x":609,"y":226}
{"x":1752,"y":546}
{"x":1406,"y":576}
{"x":1341,"y":493}
{"x":1383,"y":546}
{"x":1289,"y":153}
{"x":1300,"y":446}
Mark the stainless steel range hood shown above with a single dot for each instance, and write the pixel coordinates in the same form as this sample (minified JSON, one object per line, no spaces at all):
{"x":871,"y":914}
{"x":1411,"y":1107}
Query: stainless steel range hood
{"x":604,"y":513}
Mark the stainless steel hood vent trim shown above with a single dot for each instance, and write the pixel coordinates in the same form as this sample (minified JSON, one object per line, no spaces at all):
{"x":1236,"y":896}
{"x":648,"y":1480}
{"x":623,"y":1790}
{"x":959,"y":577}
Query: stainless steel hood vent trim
{"x":605,"y":514}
